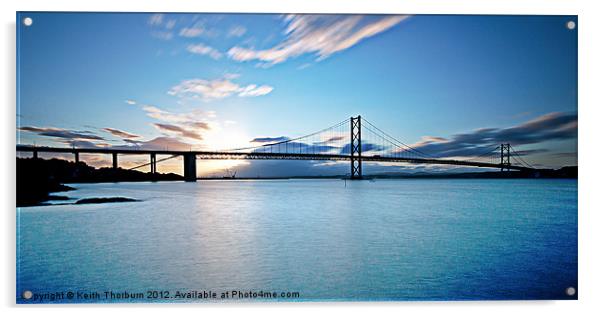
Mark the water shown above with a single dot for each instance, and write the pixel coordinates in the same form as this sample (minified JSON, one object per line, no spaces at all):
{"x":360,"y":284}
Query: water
{"x":369,"y":240}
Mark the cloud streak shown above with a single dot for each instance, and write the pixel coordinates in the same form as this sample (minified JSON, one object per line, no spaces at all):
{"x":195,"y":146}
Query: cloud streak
{"x":321,"y":35}
{"x":548,"y":127}
{"x":269,"y":139}
{"x":217,"y":89}
{"x":191,"y":31}
{"x":120,"y":133}
{"x":156,"y":19}
{"x":158,"y":143}
{"x":186,"y":125}
{"x":161,"y":28}
{"x":366,"y":147}
{"x":198,"y":28}
{"x":202,"y":49}
{"x":61,"y":133}
{"x":178,"y":130}
{"x":237,"y":31}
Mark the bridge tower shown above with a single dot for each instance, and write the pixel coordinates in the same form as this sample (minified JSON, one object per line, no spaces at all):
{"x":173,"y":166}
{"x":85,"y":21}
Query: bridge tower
{"x":505,"y":157}
{"x":356,"y":147}
{"x":190,"y":167}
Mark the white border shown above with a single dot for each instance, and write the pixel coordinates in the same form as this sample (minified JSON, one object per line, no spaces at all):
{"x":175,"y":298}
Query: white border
{"x":590,"y":207}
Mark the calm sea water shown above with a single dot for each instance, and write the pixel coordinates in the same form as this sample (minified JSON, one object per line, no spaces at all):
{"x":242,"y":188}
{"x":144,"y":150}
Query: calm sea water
{"x":368,"y":240}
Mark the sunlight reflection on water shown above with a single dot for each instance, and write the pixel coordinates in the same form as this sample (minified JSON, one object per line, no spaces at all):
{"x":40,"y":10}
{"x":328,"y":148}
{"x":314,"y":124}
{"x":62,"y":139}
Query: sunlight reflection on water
{"x":383,"y":240}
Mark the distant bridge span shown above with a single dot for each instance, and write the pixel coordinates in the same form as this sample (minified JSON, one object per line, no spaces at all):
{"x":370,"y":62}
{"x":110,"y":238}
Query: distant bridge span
{"x":304,"y":153}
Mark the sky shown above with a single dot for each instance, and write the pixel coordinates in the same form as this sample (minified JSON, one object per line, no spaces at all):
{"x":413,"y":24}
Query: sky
{"x":216,"y":81}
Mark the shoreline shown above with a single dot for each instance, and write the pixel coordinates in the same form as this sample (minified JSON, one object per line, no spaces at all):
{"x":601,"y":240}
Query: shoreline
{"x":38,"y":179}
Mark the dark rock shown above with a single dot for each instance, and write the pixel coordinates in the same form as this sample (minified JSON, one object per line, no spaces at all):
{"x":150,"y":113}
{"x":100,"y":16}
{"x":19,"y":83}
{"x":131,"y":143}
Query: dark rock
{"x":36,"y":178}
{"x":57,"y":198}
{"x":105,"y":200}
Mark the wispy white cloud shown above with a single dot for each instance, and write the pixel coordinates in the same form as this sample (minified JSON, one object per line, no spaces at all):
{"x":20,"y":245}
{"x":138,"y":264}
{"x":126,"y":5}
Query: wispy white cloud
{"x":130,"y":102}
{"x":156,"y":19}
{"x":217,"y":89}
{"x":231,"y":76}
{"x":161,"y":28}
{"x":198,"y":28}
{"x":162,"y":35}
{"x":170,"y":24}
{"x":162,"y":115}
{"x":191,"y":31}
{"x":322,"y":35}
{"x":202,"y":49}
{"x":254,"y":91}
{"x":207,"y":89}
{"x":237,"y":31}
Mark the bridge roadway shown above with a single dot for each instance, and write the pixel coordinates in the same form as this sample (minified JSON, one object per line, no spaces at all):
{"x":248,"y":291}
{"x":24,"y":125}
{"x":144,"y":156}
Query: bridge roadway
{"x":191,"y":156}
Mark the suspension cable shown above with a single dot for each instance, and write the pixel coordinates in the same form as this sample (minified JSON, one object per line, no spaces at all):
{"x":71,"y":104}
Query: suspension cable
{"x":397,"y":142}
{"x":518,"y":157}
{"x":148,"y":163}
{"x":290,"y":140}
{"x":486,"y":153}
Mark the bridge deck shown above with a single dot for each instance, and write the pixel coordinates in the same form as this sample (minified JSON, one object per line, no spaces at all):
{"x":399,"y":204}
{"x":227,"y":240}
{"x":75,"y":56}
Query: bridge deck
{"x":216,"y":155}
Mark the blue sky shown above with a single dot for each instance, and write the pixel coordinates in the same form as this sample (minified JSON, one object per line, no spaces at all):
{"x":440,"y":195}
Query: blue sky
{"x":211,"y":81}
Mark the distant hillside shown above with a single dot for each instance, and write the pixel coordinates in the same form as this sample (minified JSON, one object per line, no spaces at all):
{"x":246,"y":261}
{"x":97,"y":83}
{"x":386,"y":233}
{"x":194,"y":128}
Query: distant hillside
{"x":36,"y":178}
{"x":562,"y":173}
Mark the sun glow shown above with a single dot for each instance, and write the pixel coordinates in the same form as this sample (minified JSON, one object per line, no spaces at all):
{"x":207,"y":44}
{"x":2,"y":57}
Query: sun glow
{"x":218,"y":168}
{"x":220,"y":139}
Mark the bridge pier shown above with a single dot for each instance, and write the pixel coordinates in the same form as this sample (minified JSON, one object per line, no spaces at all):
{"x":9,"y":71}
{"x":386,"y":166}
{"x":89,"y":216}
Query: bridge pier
{"x":190,"y":167}
{"x":76,"y":154}
{"x":35,"y":154}
{"x":153,"y":163}
{"x":114,"y":160}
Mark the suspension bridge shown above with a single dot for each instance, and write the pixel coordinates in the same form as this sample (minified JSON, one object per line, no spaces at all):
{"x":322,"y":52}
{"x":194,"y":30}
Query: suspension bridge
{"x":355,"y":140}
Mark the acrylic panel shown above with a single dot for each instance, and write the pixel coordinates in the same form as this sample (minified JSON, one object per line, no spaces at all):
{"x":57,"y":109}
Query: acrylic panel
{"x":196,"y":157}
